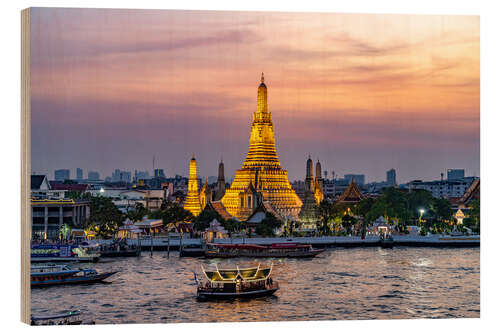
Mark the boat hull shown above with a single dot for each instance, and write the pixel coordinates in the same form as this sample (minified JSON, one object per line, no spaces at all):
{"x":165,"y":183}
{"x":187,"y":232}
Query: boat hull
{"x":309,"y":254}
{"x":208,"y":295}
{"x":72,"y":280}
{"x":64,"y":259}
{"x":115,"y":254}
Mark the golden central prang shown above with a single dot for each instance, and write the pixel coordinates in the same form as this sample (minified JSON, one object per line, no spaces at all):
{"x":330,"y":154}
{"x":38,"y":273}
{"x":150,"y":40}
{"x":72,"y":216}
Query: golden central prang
{"x":261,"y":178}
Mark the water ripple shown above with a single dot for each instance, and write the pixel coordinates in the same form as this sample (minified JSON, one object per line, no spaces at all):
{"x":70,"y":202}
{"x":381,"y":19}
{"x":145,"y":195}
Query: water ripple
{"x":351,"y":283}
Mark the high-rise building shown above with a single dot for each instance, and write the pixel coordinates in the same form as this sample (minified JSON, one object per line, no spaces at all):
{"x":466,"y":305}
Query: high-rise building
{"x":61,"y":174}
{"x":261,"y":178}
{"x":391,"y":177}
{"x":93,"y":175}
{"x":192,"y":202}
{"x":79,"y":174}
{"x":121,"y":176}
{"x":456,"y":174}
{"x":358,"y":179}
{"x":141,"y":175}
{"x":159,"y":173}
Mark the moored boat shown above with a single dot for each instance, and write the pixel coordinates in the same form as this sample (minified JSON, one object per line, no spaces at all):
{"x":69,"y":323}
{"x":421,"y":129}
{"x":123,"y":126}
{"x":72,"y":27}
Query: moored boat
{"x":63,"y":318}
{"x":236,"y":283}
{"x":64,"y":252}
{"x":277,"y":250}
{"x":119,"y":248}
{"x":50,"y":275}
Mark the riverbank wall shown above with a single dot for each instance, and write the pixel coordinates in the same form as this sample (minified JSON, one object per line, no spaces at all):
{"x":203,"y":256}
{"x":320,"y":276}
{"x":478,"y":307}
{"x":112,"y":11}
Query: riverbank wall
{"x":164,"y":244}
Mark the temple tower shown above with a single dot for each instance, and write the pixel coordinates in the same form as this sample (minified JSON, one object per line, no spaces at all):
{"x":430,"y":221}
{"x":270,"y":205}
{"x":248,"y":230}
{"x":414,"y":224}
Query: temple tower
{"x":309,"y":213}
{"x":261,"y":172}
{"x":192,"y":202}
{"x":309,"y":175}
{"x":205,"y":194}
{"x":221,"y":183}
{"x":318,"y":184}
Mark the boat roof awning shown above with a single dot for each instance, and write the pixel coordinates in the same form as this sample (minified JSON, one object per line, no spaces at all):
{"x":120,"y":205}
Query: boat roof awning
{"x":231,"y":275}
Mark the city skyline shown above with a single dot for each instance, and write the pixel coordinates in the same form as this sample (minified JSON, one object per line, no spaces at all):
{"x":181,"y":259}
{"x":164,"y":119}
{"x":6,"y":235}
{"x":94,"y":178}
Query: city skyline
{"x":348,"y":90}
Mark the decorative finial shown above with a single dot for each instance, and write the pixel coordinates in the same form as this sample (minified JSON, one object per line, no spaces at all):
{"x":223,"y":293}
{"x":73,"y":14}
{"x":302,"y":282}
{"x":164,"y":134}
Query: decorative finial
{"x":262,"y":77}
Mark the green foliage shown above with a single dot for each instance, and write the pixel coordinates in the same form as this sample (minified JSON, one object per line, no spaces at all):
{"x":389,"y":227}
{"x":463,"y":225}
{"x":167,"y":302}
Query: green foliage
{"x":392,"y":205}
{"x":417,"y":200}
{"x":290,"y":227}
{"x":77,"y":195}
{"x":137,"y":213}
{"x":173,"y":214}
{"x":105,"y":218}
{"x":232,"y":225}
{"x":202,"y":221}
{"x":473,"y":220}
{"x":268,"y":225}
{"x":441,"y":209}
{"x":326,"y":213}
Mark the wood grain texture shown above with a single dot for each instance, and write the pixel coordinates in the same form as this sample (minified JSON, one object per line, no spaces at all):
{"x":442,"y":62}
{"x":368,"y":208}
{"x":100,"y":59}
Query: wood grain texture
{"x":25,"y":166}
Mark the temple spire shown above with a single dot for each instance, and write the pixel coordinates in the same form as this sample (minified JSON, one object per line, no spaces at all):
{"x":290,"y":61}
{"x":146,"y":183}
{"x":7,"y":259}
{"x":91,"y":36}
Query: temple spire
{"x":192,"y":202}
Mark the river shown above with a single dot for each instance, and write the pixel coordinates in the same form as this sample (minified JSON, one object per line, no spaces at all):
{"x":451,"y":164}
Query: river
{"x":339,"y":284}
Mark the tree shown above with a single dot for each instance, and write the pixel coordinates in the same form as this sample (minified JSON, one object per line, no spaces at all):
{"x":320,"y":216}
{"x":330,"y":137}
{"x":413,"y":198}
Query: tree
{"x":267,"y":227}
{"x":348,"y":221}
{"x":473,"y":220}
{"x":364,"y":209}
{"x":232,"y":225}
{"x":137,"y":213}
{"x":105,"y":218}
{"x":202,"y":221}
{"x":175,"y":214}
{"x":417,"y":200}
{"x":393,"y":206}
{"x":325,"y":214}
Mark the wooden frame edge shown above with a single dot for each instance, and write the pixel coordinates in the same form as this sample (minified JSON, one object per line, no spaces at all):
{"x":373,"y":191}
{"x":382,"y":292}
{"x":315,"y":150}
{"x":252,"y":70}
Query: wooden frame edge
{"x":25,"y":166}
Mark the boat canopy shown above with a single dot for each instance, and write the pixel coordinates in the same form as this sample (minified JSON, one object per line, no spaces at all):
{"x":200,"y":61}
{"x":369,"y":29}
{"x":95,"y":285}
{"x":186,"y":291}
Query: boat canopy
{"x":243,"y":274}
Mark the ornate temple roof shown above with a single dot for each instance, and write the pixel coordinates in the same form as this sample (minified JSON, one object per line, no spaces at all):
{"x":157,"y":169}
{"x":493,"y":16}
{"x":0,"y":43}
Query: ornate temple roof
{"x":264,"y":207}
{"x":352,"y":193}
{"x":473,"y":192}
{"x":219,"y":208}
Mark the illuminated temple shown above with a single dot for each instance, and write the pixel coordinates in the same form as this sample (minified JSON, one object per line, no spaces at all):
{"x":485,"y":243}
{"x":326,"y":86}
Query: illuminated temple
{"x":192,"y":202}
{"x":261,"y":178}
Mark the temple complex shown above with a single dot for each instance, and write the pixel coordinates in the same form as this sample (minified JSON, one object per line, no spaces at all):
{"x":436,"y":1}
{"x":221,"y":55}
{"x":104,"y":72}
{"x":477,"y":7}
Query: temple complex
{"x":261,"y":178}
{"x":352,"y":194}
{"x":313,"y":195}
{"x":192,"y":202}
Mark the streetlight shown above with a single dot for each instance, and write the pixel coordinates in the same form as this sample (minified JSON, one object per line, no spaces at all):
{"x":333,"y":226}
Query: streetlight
{"x":422,"y":211}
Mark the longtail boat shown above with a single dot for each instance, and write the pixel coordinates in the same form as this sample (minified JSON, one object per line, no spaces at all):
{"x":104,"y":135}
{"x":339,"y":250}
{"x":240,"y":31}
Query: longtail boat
{"x":51,"y":275}
{"x":276,"y":250}
{"x":63,"y":318}
{"x":236,"y":283}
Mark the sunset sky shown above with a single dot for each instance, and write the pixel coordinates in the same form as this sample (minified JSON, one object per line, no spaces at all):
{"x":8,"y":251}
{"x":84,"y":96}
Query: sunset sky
{"x":362,"y":92}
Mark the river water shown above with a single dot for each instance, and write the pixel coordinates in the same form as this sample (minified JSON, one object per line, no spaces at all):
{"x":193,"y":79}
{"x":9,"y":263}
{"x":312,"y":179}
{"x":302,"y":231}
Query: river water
{"x":339,"y":284}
